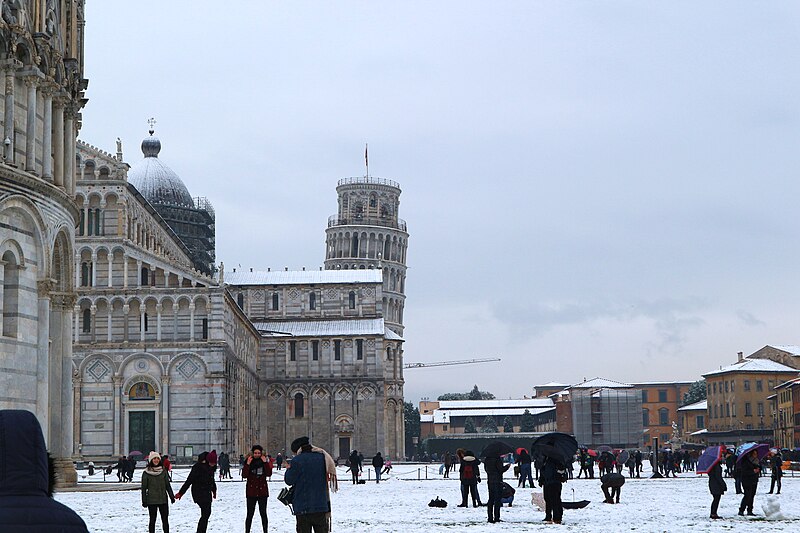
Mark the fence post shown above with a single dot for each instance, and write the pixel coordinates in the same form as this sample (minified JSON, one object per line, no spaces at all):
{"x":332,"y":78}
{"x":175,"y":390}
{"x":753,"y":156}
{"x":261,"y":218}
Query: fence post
{"x":368,"y":474}
{"x":426,"y":471}
{"x":418,"y":476}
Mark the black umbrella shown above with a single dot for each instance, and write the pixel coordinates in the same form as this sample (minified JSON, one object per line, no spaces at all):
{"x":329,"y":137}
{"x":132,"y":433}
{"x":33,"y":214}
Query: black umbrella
{"x":496,"y":449}
{"x":556,"y":445}
{"x":613,"y":480}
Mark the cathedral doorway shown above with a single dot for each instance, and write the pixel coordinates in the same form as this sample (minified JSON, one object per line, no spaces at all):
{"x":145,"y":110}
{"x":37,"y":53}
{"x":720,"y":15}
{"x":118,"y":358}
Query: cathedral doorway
{"x":344,"y":447}
{"x":142,"y":431}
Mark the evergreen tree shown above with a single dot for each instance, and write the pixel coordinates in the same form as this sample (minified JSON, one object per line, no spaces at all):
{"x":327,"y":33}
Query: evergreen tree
{"x":474,"y":394}
{"x":469,"y":425}
{"x":411,"y":425}
{"x":528,"y":423}
{"x":696,"y":393}
{"x":508,"y":425}
{"x":489,"y":425}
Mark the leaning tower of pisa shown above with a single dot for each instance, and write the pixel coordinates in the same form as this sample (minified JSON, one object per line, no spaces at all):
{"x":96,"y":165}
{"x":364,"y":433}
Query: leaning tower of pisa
{"x":367,"y":233}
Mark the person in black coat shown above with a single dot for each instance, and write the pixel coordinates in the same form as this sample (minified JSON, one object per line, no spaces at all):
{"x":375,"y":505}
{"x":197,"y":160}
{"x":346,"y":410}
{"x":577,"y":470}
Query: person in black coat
{"x":494,"y":480}
{"x":377,"y":464}
{"x":355,"y":465}
{"x":716,"y":485}
{"x":26,"y":480}
{"x":749,"y":471}
{"x":524,"y":462}
{"x":553,"y":474}
{"x":613,"y":481}
{"x":204,"y":489}
{"x":775,"y":463}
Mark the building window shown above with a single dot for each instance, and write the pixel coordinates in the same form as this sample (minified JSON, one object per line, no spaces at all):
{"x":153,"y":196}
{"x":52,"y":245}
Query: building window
{"x":87,"y":321}
{"x":728,"y":410}
{"x":315,"y":350}
{"x":644,"y":396}
{"x":733,"y":385}
{"x":662,"y":395}
{"x":292,"y":350}
{"x":733,"y":410}
{"x":359,"y":349}
{"x":715,"y":387}
{"x":312,"y":301}
{"x":747,"y":384}
{"x":337,"y":350}
{"x":240,"y":301}
{"x":645,"y":417}
{"x":663,"y":416}
{"x":759,"y":385}
{"x":205,"y":329}
{"x":275,"y":301}
{"x":726,"y":386}
{"x":145,"y":276}
{"x":86,"y":274}
{"x":299,"y":407}
{"x":748,"y":410}
{"x":708,"y":389}
{"x":700,"y":421}
{"x":444,"y":427}
{"x":389,"y":355}
{"x":760,"y":409}
{"x":352,"y":300}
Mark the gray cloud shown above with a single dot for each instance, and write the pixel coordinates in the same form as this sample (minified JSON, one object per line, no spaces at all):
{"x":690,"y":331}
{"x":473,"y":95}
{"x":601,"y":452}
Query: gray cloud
{"x":749,"y":319}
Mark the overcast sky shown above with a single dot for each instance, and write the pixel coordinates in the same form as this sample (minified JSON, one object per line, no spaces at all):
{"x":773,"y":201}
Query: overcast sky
{"x":592,"y":188}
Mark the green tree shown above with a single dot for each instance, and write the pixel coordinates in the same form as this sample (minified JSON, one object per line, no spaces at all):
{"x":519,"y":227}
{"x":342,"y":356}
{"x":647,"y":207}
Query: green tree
{"x":474,"y":394}
{"x":489,"y":425}
{"x":696,"y":393}
{"x":453,"y":396}
{"x":411,"y":426}
{"x":508,"y":425}
{"x":469,"y":425}
{"x":528,"y":423}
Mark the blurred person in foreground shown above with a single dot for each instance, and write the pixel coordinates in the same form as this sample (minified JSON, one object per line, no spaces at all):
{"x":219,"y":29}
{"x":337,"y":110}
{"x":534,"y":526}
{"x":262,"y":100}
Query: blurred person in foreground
{"x":312,"y":473}
{"x":27,"y":477}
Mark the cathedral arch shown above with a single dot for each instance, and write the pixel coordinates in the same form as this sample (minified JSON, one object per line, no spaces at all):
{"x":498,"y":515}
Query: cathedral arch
{"x":128,"y":391}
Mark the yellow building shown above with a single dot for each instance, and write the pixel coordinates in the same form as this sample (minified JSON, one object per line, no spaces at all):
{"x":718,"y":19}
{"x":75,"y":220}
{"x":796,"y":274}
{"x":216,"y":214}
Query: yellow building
{"x":693,"y":422}
{"x":786,"y":402}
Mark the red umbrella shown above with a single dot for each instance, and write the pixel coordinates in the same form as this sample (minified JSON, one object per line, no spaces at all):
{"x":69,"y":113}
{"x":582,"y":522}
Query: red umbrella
{"x":520,"y":450}
{"x":592,"y":453}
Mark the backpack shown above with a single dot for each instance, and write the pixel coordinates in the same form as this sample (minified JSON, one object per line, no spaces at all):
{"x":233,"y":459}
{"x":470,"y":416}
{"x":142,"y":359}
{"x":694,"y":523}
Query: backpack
{"x":437,"y":503}
{"x":468,"y":471}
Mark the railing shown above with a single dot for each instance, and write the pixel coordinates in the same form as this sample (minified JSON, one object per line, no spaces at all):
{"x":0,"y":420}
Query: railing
{"x":368,"y":181}
{"x":335,"y":220}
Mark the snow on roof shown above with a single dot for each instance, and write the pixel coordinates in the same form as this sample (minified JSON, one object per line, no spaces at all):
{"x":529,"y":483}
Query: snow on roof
{"x":426,"y":418}
{"x":551,"y":384}
{"x":638,"y":383}
{"x":600,"y":383}
{"x":701,"y":432}
{"x":443,"y":416}
{"x":695,"y":406}
{"x":529,"y":403}
{"x":790,"y":348}
{"x":322,"y":328}
{"x":753,"y":365}
{"x":789,"y":383}
{"x":304,"y":277}
{"x":392,"y":336}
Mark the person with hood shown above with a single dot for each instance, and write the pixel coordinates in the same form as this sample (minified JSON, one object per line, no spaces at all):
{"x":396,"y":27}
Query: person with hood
{"x":717,"y":485}
{"x":312,"y":473}
{"x":775,"y":463}
{"x":749,"y":470}
{"x":27,"y":479}
{"x":553,"y":474}
{"x":256,"y":471}
{"x":377,"y":464}
{"x":524,"y":462}
{"x":494,"y":467}
{"x":155,"y":491}
{"x":355,"y":465}
{"x":470,"y":476}
{"x":204,"y":489}
{"x":613,"y":481}
{"x":279,"y":460}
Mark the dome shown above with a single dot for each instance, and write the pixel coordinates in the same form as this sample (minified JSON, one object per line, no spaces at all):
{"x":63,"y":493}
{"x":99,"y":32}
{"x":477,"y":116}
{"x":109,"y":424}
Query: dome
{"x":158,"y":183}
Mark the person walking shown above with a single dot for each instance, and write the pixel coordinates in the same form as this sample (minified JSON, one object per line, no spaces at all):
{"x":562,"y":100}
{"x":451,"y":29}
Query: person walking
{"x":750,"y":470}
{"x":155,"y":492}
{"x":717,"y":485}
{"x":638,"y":455}
{"x":494,"y":468}
{"x":122,"y":468}
{"x":256,"y":471}
{"x":204,"y":489}
{"x":355,"y":466}
{"x":553,"y":475}
{"x":776,"y":473}
{"x":279,"y":461}
{"x":27,"y":480}
{"x":312,"y":473}
{"x":447,"y":464}
{"x":377,"y":464}
{"x":524,"y":462}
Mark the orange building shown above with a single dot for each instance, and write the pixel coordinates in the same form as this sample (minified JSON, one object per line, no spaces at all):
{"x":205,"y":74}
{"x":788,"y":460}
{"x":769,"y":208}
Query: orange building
{"x":660,"y":403}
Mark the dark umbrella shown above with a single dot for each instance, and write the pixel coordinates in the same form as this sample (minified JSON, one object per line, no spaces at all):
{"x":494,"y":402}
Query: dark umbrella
{"x":556,"y":445}
{"x":613,"y":480}
{"x":496,"y":449}
{"x":604,"y":448}
{"x":623,"y":456}
{"x":710,"y":457}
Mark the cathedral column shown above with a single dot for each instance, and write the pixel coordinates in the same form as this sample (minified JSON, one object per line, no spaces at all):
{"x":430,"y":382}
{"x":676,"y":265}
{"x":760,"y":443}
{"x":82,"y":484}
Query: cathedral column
{"x":139,"y":273}
{"x":191,"y":321}
{"x":158,"y":321}
{"x":43,"y":289}
{"x":124,"y":270}
{"x":142,"y":310}
{"x":165,"y":413}
{"x":175,"y":321}
{"x":58,"y":142}
{"x":77,"y":313}
{"x":69,"y":149}
{"x":109,"y":320}
{"x":77,"y":269}
{"x":76,"y":416}
{"x":8,"y":130}
{"x":110,"y":269}
{"x":117,"y":416}
{"x":125,"y":310}
{"x":94,"y":270}
{"x":93,"y":312}
{"x":47,"y":136}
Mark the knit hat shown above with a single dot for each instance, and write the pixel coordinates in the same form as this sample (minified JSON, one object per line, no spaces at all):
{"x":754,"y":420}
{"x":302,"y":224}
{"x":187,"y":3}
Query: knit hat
{"x":299,"y":443}
{"x":152,"y":456}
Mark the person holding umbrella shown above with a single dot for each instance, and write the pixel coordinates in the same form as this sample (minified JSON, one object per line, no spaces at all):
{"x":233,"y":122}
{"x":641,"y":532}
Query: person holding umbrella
{"x":554,"y":449}
{"x":711,"y":463}
{"x":495,"y":468}
{"x":750,"y":469}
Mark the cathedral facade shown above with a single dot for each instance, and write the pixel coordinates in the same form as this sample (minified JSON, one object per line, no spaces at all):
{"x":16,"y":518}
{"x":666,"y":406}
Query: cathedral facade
{"x":41,"y":57}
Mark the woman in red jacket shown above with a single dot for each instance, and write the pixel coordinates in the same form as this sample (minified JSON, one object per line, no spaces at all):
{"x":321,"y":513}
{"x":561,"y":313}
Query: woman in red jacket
{"x":256,"y":471}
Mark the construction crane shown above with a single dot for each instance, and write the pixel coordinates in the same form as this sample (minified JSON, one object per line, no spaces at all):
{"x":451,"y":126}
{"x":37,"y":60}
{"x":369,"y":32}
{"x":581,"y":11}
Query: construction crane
{"x":448,"y":363}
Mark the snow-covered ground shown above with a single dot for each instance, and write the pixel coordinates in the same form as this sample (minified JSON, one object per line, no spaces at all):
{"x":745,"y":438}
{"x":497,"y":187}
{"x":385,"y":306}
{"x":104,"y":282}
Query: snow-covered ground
{"x":400,"y":504}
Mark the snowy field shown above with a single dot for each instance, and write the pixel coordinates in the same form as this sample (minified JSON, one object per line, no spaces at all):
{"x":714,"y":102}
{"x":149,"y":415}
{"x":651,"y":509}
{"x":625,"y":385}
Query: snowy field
{"x":400,"y":504}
